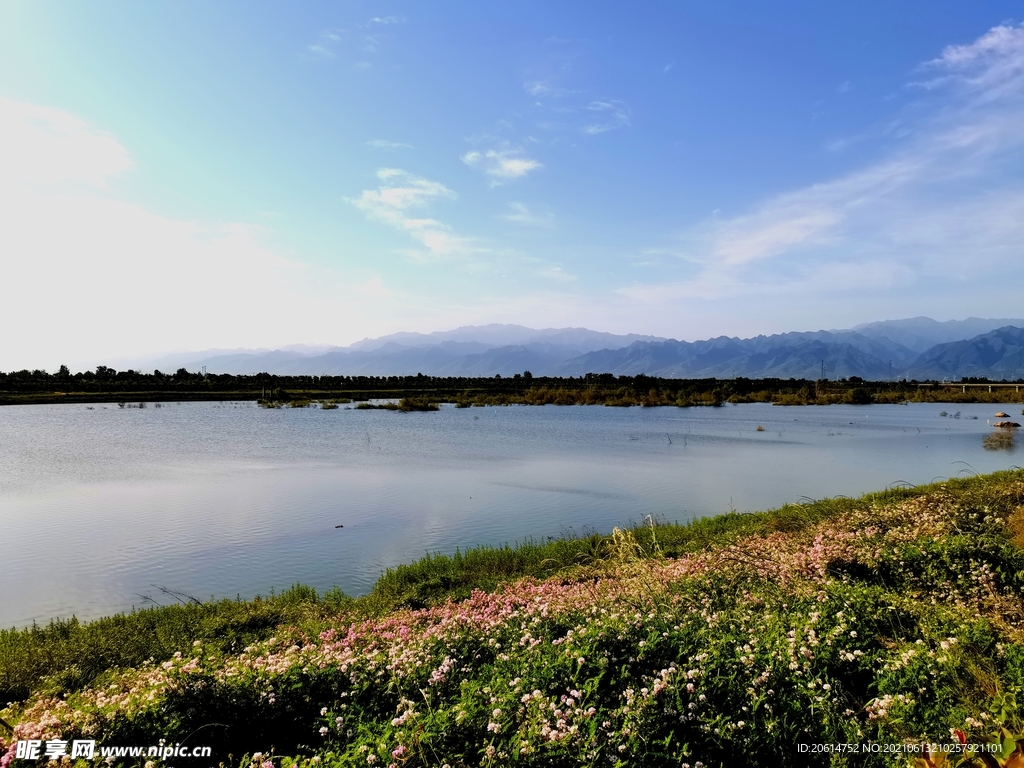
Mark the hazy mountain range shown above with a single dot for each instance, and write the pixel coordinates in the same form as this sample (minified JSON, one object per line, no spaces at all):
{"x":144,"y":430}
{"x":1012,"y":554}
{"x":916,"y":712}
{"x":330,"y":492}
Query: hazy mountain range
{"x":916,"y":348}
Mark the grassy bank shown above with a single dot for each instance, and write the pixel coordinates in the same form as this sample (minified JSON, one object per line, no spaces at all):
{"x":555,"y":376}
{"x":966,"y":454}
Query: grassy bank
{"x":893,"y":618}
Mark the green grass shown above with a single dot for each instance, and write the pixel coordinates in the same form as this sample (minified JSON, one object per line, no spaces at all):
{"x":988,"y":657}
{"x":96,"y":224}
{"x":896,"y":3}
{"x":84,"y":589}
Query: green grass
{"x":405,"y":404}
{"x":67,"y":655}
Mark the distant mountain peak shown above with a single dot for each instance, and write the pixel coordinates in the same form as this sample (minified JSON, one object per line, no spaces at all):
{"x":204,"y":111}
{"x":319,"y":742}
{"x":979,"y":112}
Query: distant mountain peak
{"x":879,"y":350}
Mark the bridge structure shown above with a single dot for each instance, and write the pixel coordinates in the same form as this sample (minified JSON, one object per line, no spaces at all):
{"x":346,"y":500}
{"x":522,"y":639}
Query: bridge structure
{"x":953,"y":384}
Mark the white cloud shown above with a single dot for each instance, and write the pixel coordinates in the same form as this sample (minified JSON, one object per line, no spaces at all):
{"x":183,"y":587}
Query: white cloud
{"x":399,"y":195}
{"x":992,"y":65}
{"x":116,"y":280}
{"x":521,"y":214}
{"x":555,"y":272}
{"x":385,"y":144}
{"x":771,"y":231}
{"x":945,"y":206}
{"x":501,"y":164}
{"x":329,"y":41}
{"x":326,"y":43}
{"x":610,"y":115}
{"x":40,"y":145}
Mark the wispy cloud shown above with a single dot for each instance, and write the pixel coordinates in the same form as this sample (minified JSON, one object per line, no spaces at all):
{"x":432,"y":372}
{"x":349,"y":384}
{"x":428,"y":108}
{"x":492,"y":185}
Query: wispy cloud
{"x":992,"y":66}
{"x":609,"y":115}
{"x":520,"y":214}
{"x":324,"y":47}
{"x":945,"y":195}
{"x":547,"y":89}
{"x":501,"y":164}
{"x":359,"y":38}
{"x":394,"y":202}
{"x":555,"y":272}
{"x":385,"y":144}
{"x":598,"y":115}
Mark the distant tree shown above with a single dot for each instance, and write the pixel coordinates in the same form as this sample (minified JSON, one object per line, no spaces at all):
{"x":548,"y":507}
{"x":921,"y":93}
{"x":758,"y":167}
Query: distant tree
{"x":527,"y":375}
{"x":861,"y":396}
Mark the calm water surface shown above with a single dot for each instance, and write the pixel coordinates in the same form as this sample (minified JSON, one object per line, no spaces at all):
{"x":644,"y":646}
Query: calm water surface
{"x":217,"y":499}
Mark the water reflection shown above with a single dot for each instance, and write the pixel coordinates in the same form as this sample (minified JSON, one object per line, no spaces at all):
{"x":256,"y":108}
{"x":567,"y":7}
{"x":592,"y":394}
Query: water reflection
{"x":1000,"y":440}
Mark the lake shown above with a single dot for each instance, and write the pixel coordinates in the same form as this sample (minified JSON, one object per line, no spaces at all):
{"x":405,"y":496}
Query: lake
{"x":103,"y":505}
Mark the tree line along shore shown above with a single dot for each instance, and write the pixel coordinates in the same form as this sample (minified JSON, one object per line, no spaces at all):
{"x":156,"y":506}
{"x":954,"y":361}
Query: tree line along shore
{"x":892,"y":619}
{"x":108,"y":385}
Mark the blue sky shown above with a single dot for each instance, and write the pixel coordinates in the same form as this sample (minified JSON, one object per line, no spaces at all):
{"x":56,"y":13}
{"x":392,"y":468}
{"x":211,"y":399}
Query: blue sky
{"x":190,"y":175}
